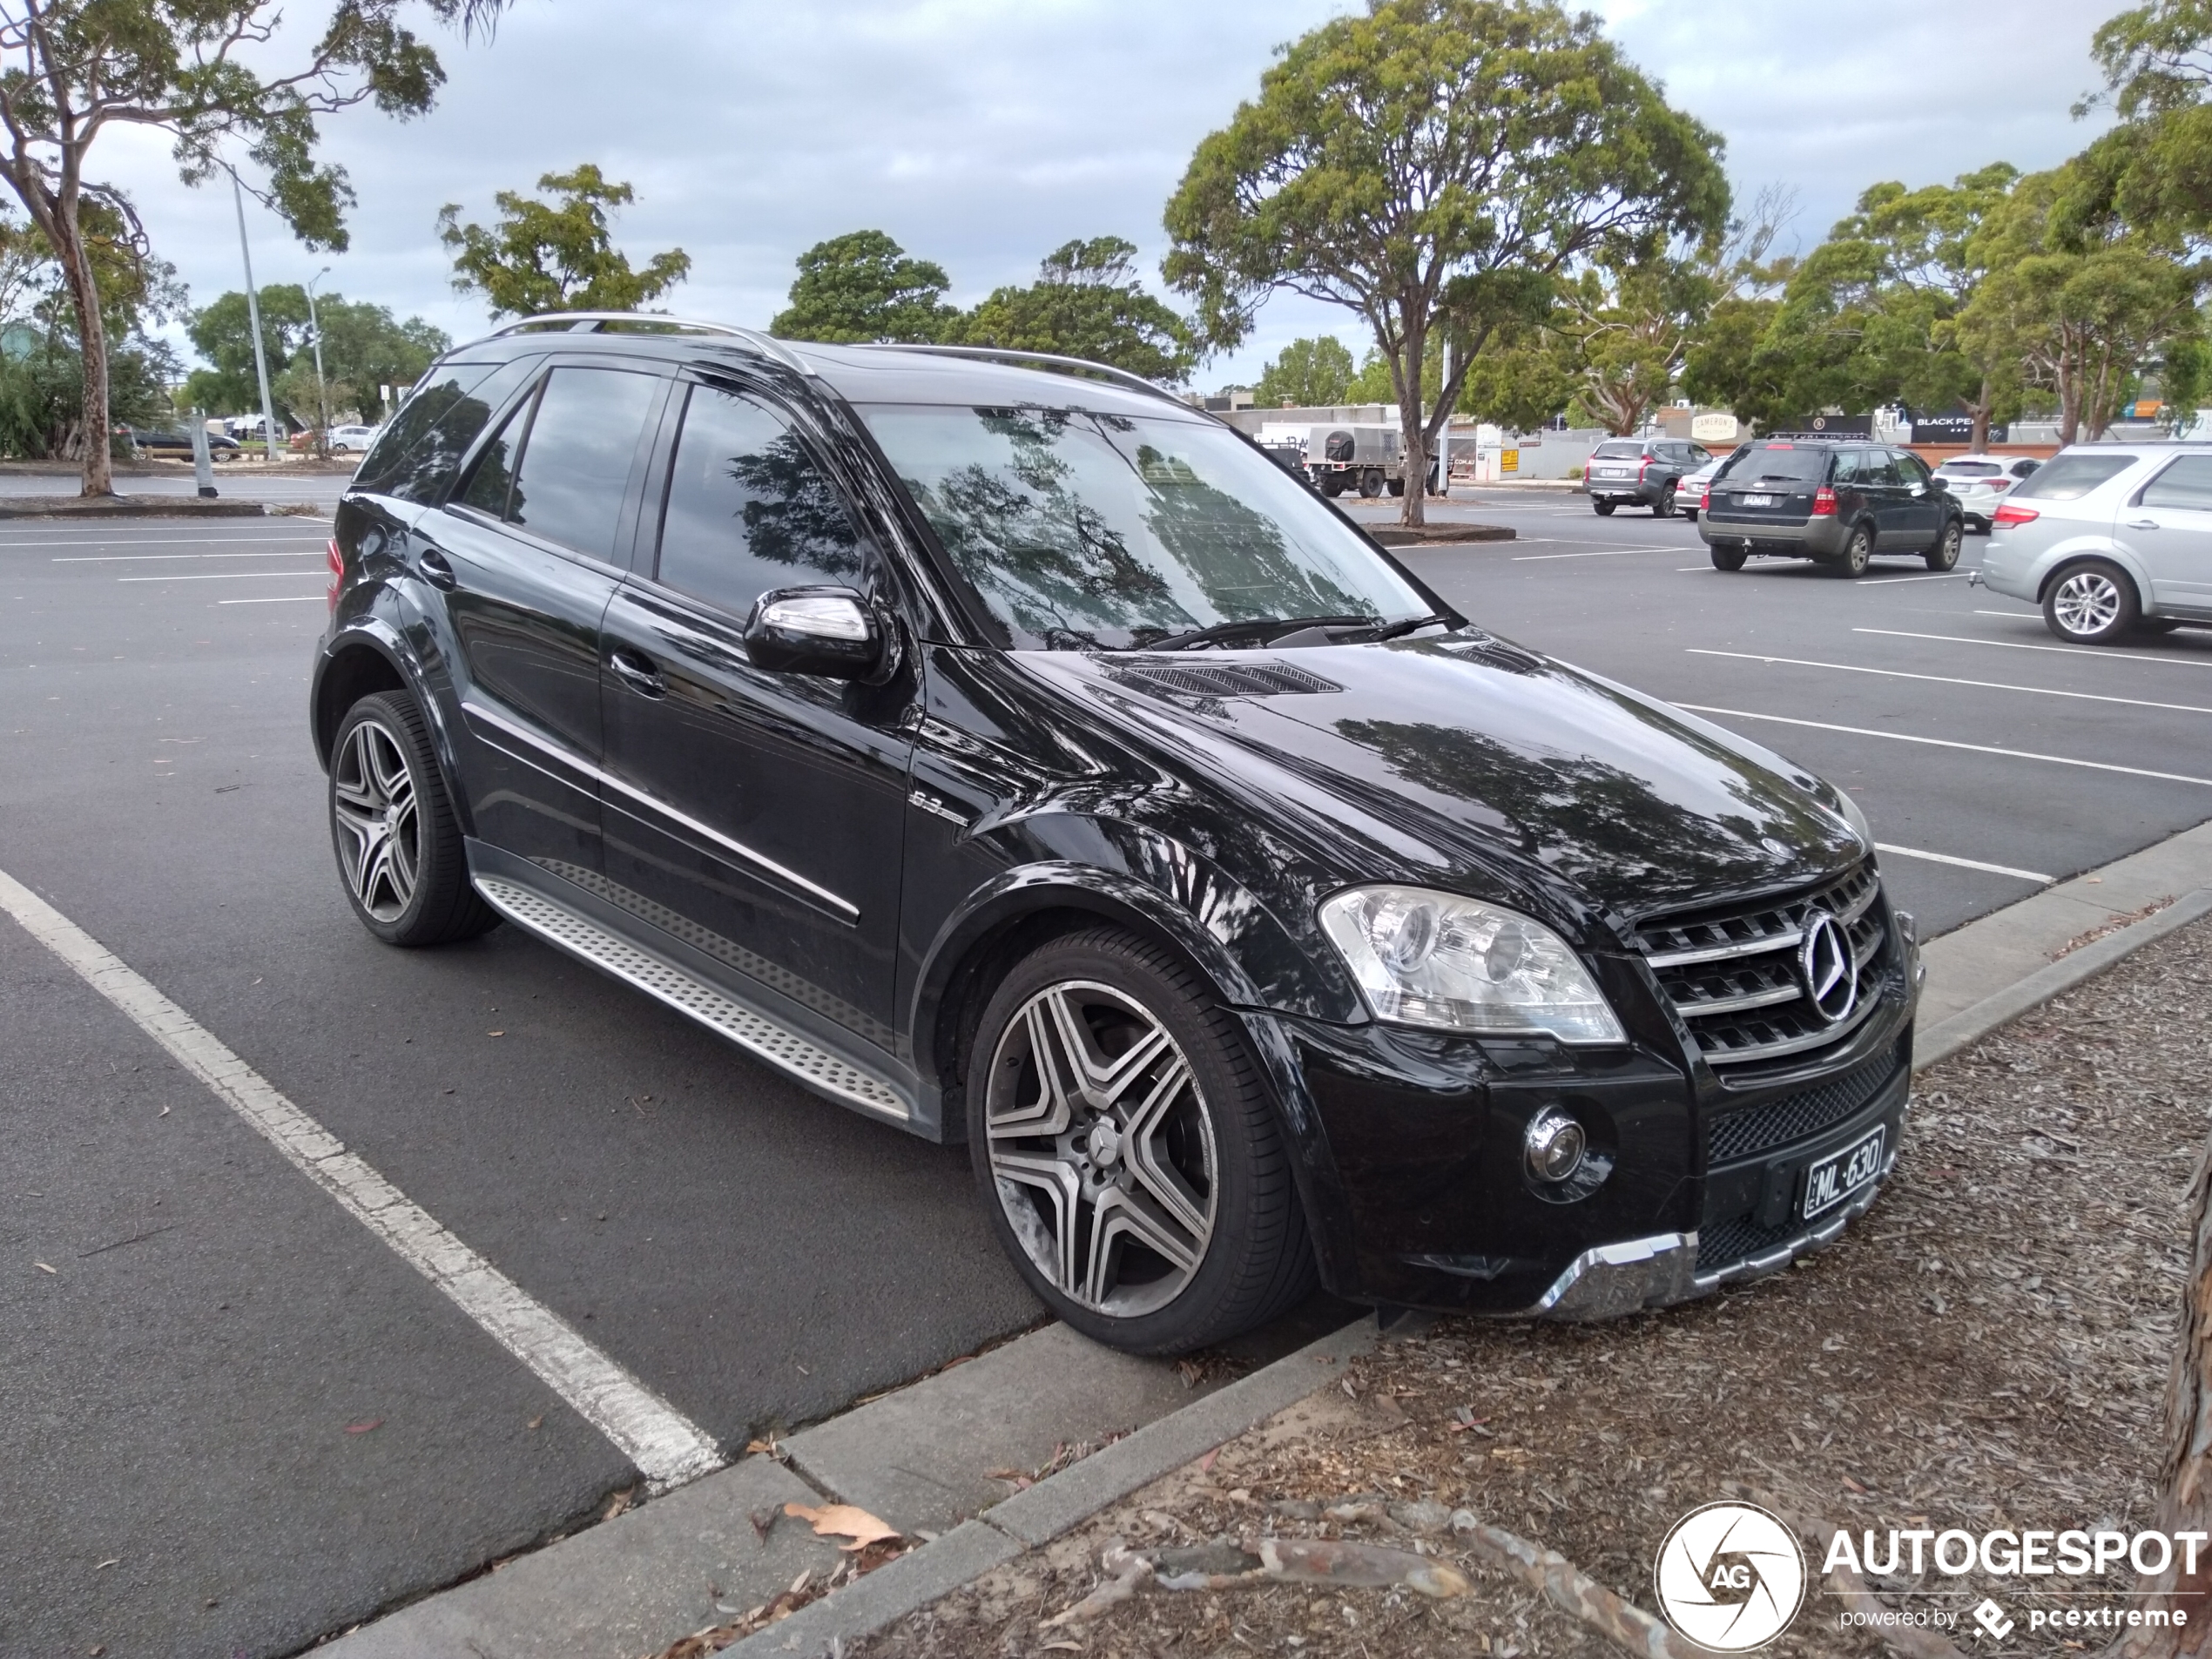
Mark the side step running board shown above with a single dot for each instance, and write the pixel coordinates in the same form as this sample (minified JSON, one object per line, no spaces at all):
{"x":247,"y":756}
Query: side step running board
{"x":778,"y":1045}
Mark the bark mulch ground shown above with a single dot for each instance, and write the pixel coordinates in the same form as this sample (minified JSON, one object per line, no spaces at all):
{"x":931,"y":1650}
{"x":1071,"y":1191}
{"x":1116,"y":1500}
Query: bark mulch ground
{"x":1986,"y":1347}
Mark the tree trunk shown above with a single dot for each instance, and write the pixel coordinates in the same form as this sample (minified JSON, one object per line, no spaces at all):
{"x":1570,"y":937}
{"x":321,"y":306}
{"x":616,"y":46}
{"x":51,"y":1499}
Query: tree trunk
{"x":91,"y":335}
{"x":2185,"y":1467}
{"x":1978,"y":440}
{"x":1413,"y":445}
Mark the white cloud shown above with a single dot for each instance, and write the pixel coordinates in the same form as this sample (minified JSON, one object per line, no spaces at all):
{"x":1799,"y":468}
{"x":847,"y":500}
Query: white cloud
{"x":982,"y":133}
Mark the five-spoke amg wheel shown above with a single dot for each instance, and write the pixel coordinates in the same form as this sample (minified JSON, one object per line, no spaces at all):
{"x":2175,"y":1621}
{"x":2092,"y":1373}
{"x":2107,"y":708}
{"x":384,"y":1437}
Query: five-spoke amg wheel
{"x":392,"y":823}
{"x":2091,"y":604}
{"x":1129,"y":1151}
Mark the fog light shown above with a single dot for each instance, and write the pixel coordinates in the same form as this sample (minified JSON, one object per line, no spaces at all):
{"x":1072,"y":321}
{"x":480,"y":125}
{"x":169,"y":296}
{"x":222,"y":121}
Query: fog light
{"x":1554,"y":1146}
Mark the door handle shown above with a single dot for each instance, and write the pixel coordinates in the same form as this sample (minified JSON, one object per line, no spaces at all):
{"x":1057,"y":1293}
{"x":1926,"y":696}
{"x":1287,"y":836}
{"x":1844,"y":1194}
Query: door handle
{"x":2142,"y":523}
{"x":435,"y":571}
{"x":637,"y":673}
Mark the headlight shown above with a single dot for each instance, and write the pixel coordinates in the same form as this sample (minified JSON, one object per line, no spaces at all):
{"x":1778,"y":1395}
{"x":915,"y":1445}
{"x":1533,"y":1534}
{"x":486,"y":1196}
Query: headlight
{"x":1856,"y":818}
{"x":1434,"y":959}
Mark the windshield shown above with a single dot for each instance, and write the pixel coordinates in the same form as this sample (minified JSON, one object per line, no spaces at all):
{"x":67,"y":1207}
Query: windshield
{"x":2071,"y":478}
{"x":1780,"y":465}
{"x":1084,"y":531}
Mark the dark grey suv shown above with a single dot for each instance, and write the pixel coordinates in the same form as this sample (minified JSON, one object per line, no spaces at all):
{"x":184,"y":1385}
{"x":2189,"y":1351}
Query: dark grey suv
{"x":1640,"y":472}
{"x":1835,"y":501}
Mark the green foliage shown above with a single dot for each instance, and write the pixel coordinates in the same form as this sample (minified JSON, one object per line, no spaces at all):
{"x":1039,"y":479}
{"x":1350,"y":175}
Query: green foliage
{"x":1088,"y":303}
{"x":223,"y":334}
{"x":555,"y":256}
{"x":1312,"y":373}
{"x":42,"y":365}
{"x":2156,"y":57}
{"x":859,"y":289}
{"x":1392,"y":151}
{"x":364,"y":348}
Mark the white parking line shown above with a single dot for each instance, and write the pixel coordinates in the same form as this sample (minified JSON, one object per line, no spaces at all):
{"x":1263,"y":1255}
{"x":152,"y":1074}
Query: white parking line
{"x":1947,"y":743}
{"x":1595,"y":553}
{"x":160,"y":541}
{"x":282,"y":599}
{"x":2070,"y":650}
{"x":139,"y":558}
{"x":667,"y":1446}
{"x":1946,"y":679}
{"x":2035,"y":876}
{"x":230,"y":575}
{"x":1884,"y":581}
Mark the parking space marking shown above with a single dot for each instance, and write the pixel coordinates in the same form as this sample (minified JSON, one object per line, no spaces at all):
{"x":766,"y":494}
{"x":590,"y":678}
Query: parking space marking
{"x":139,"y":558}
{"x":667,"y":1447}
{"x":231,"y":575}
{"x":2020,"y":645}
{"x":1595,"y":553}
{"x":1948,"y":743}
{"x":157,"y":541}
{"x":281,"y":599}
{"x":1947,"y":679}
{"x":2036,"y":876}
{"x":1884,"y":581}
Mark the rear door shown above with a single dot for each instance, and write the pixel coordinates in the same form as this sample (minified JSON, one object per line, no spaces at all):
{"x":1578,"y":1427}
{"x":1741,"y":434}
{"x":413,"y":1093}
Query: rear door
{"x":1883,"y":486}
{"x":2169,"y":526}
{"x":758,"y":816}
{"x":526,"y":556}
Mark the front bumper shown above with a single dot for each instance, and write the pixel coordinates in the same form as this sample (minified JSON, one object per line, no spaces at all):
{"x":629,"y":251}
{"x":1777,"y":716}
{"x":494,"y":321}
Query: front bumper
{"x":1423,"y":1199}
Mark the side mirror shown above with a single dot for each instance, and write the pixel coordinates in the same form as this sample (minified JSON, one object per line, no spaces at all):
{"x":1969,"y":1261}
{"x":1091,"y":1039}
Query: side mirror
{"x":831,"y":632}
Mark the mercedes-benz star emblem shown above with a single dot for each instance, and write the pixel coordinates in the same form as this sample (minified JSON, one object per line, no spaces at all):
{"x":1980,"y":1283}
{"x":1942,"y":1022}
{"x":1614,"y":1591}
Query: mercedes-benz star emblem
{"x":1824,"y":959}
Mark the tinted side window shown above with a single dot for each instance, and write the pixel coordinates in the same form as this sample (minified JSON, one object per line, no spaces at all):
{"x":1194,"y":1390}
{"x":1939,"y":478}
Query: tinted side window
{"x":2187,"y":483}
{"x":1878,"y":467}
{"x":576,"y":456}
{"x":749,"y":509}
{"x":2071,"y":478}
{"x":420,"y":452}
{"x":1910,"y":467}
{"x":1847,"y":467}
{"x":492,"y":476}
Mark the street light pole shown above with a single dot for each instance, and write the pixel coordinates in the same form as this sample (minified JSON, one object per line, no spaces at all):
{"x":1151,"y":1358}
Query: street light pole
{"x":322,"y":390}
{"x":253,"y":316}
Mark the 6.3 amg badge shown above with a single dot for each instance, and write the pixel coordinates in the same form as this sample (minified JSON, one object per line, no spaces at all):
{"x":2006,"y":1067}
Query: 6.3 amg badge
{"x":1730,"y":1577}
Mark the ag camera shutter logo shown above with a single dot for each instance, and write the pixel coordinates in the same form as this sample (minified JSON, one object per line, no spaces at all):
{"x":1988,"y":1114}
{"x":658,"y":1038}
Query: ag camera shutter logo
{"x":1730,"y":1577}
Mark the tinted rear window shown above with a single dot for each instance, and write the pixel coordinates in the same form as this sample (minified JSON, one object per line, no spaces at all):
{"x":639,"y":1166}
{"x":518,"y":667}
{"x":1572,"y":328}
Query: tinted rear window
{"x":1777,"y":466}
{"x":1969,"y":469}
{"x":1617,"y":451}
{"x":2071,"y":478}
{"x":576,"y":458}
{"x":421,"y":449}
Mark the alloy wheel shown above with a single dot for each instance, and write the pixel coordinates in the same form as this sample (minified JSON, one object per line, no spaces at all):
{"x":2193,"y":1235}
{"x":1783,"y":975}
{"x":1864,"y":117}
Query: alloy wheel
{"x":379,"y":847}
{"x":1102,"y":1150}
{"x":2086,"y":603}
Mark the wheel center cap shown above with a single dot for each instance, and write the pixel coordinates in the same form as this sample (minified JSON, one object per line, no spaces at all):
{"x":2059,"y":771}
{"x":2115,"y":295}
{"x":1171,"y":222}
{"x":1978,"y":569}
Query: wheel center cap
{"x":1105,"y":1144}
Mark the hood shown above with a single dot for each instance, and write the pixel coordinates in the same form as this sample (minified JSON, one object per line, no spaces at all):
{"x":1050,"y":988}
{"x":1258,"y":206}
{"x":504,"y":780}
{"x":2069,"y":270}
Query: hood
{"x":1466,"y":757}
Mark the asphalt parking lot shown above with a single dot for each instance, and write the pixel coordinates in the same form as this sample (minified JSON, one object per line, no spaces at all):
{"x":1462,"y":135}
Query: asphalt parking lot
{"x":239,"y":1420}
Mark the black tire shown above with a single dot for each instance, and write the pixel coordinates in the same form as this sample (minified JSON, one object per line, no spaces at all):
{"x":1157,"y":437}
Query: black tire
{"x":2091,"y":601}
{"x":2155,"y":625}
{"x":1858,"y":552}
{"x":1256,"y":1260}
{"x":1370,"y":483}
{"x":1332,"y":484}
{"x":1396,"y":486}
{"x":1728,"y":558}
{"x":1604,"y":508}
{"x":1944,"y":556}
{"x":1665,"y":507}
{"x":422,"y":895}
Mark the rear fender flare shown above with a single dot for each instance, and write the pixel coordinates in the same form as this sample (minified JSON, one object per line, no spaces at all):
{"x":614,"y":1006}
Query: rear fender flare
{"x":376,"y":636}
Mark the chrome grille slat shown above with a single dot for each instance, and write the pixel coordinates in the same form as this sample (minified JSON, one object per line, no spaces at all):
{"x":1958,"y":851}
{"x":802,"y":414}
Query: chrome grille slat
{"x":1730,"y":976}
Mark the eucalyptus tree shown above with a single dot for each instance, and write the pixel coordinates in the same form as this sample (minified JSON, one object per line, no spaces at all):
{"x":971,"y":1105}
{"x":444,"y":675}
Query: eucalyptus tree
{"x":221,"y":82}
{"x":1395,"y":156}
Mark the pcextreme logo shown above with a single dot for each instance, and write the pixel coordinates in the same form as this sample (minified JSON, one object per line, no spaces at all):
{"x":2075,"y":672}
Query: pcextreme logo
{"x":1730,"y":1577}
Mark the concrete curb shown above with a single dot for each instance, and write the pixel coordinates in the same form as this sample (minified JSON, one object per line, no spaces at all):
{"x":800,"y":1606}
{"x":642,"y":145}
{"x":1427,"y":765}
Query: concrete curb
{"x":1963,"y":1030}
{"x":126,"y":506}
{"x":1446,"y":534}
{"x":1053,"y":1506}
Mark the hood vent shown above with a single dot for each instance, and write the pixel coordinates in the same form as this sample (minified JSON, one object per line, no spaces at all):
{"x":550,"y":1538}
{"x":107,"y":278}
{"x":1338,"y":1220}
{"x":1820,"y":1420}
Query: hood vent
{"x":1221,"y":679}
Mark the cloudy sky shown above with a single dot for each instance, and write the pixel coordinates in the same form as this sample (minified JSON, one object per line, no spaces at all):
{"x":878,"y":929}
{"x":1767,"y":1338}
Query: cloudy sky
{"x":982,"y":133}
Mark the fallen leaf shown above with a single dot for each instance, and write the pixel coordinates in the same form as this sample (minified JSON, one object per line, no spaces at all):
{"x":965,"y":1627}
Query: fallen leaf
{"x":619,"y":1502}
{"x":1854,"y":1485}
{"x":1206,"y":1463}
{"x":370,"y":1427}
{"x":844,"y":1521}
{"x":494,"y":1034}
{"x":538,"y":1421}
{"x":42,"y":1268}
{"x":113,"y":1561}
{"x":1062,"y":1647}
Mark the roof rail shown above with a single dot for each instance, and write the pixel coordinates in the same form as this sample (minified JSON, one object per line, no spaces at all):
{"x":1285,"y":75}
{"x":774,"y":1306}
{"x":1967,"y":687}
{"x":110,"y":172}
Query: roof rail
{"x":1043,"y":360}
{"x":593,"y":322}
{"x":1825,"y":437}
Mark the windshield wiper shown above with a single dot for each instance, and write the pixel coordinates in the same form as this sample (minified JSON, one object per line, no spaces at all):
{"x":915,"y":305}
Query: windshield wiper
{"x":1390,"y":631}
{"x":1261,"y":628}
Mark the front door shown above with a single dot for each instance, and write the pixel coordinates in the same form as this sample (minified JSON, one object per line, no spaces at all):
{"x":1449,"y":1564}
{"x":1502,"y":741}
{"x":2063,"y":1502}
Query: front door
{"x":758,"y":816}
{"x":1920,"y":504}
{"x":2168,"y":528}
{"x":524,"y":555}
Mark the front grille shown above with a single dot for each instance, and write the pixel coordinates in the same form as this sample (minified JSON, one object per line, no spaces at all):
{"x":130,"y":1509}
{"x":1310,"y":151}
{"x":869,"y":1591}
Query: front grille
{"x":1724,"y":1244}
{"x":1804,"y":1115}
{"x":1731,"y":971}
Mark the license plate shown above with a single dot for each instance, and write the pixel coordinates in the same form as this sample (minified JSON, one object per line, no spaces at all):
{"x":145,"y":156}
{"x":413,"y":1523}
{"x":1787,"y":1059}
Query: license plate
{"x":1832,"y":1180}
{"x":1758,"y":501}
{"x":1612,"y":472}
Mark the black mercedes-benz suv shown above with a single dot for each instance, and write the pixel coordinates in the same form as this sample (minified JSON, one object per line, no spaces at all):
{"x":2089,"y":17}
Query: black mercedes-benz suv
{"x":1016,"y":755}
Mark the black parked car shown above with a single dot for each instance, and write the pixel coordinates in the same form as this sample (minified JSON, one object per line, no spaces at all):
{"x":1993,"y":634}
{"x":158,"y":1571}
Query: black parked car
{"x":220,"y":446}
{"x":1836,"y":500}
{"x":1640,"y":472}
{"x":1013,"y":754}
